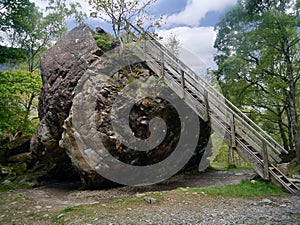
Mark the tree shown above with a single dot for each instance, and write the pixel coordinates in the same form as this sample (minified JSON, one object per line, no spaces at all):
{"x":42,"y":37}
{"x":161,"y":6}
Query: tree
{"x":28,"y":33}
{"x":258,"y":58}
{"x":18,"y":90}
{"x":117,"y":12}
{"x":173,"y":44}
{"x":27,"y":28}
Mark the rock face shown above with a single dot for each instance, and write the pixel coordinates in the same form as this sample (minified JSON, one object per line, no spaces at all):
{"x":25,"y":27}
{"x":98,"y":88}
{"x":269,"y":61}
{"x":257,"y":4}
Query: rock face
{"x":12,"y":148}
{"x":15,"y":158}
{"x":62,"y":66}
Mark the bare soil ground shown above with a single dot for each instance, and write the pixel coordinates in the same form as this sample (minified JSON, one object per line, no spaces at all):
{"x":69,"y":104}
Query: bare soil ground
{"x":54,"y":204}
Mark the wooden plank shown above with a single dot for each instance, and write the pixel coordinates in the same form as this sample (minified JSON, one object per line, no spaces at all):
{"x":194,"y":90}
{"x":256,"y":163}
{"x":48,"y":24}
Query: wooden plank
{"x":274,"y":158}
{"x":277,"y":175}
{"x":253,"y":162}
{"x":198,"y":108}
{"x":198,"y":90}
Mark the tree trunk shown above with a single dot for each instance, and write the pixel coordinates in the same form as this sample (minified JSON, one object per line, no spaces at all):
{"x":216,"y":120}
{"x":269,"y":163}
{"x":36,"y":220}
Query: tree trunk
{"x":291,"y":95}
{"x":281,"y":128}
{"x":294,"y":125}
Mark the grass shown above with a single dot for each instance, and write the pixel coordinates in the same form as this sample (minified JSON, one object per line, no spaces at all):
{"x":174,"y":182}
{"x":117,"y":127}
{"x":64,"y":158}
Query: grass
{"x":245,"y":189}
{"x":71,"y":212}
{"x":13,"y":186}
{"x":107,"y":211}
{"x":133,"y":205}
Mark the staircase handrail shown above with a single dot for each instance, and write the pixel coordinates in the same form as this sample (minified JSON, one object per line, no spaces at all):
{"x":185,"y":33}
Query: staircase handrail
{"x":215,"y":93}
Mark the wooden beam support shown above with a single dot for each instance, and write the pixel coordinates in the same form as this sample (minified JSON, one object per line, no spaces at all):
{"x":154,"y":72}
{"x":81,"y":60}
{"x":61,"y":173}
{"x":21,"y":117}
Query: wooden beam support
{"x":162,"y":73}
{"x":232,"y":128}
{"x":206,"y":102}
{"x":182,"y":83}
{"x":265,"y":160}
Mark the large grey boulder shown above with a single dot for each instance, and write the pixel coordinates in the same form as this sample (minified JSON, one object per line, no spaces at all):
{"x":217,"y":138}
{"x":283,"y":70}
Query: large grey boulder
{"x":56,"y":143}
{"x":61,"y":68}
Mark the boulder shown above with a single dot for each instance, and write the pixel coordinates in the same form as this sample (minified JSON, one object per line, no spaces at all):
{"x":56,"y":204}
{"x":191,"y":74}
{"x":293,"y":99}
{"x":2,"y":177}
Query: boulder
{"x":61,"y":68}
{"x":76,"y":57}
{"x":17,"y":146}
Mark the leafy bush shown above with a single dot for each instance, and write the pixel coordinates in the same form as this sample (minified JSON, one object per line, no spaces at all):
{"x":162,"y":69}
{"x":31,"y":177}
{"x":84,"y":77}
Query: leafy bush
{"x":104,"y":41}
{"x":18,"y":92}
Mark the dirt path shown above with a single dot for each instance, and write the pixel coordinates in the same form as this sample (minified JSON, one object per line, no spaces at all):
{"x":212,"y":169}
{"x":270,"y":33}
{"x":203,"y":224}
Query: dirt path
{"x":65,"y":195}
{"x":52,"y":204}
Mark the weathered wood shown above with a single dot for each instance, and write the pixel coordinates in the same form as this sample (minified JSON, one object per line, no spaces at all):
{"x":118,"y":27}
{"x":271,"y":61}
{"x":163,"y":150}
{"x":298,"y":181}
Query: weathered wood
{"x":233,"y":138}
{"x":162,"y":70}
{"x":253,"y":162}
{"x":183,"y":83}
{"x":251,"y":142}
{"x":265,"y":160}
{"x":206,"y":102}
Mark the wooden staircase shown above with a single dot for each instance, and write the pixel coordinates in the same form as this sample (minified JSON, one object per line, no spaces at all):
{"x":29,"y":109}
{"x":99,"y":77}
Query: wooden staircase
{"x":252,"y":143}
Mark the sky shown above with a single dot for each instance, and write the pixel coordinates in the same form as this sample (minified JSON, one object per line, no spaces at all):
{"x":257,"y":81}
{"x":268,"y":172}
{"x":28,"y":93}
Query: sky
{"x":192,"y":21}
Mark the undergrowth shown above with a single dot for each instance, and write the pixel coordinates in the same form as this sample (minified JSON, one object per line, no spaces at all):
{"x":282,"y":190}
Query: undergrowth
{"x":13,"y":186}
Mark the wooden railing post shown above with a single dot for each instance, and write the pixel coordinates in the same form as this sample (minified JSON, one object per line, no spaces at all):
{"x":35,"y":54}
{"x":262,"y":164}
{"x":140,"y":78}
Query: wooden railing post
{"x":206,"y":102}
{"x":182,"y":83}
{"x":232,"y":130}
{"x":162,"y":64}
{"x":265,"y":160}
{"x":232,"y":141}
{"x":145,"y":50}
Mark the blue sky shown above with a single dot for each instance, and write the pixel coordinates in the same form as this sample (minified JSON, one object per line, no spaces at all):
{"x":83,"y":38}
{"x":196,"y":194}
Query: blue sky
{"x":192,"y":21}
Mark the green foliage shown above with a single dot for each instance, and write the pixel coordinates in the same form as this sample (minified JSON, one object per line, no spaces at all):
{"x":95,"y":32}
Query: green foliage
{"x":245,"y":189}
{"x":13,"y":186}
{"x":220,"y":149}
{"x":104,"y":41}
{"x":173,"y":44}
{"x":18,"y":90}
{"x":11,"y":55}
{"x":12,"y":13}
{"x":258,"y":58}
{"x":28,"y":32}
{"x":293,"y":169}
{"x":26,"y":27}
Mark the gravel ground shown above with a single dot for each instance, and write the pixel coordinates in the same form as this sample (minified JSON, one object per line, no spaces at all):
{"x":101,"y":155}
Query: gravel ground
{"x":53,"y":204}
{"x":218,"y":210}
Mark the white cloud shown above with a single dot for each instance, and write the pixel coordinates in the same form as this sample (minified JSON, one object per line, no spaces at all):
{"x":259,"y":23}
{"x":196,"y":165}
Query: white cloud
{"x":198,"y":41}
{"x":84,"y":4}
{"x":195,"y":10}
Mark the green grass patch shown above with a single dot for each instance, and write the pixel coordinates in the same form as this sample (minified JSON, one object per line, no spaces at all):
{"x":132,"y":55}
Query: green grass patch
{"x":218,"y":165}
{"x":72,"y":212}
{"x":245,"y":189}
{"x":13,"y":186}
